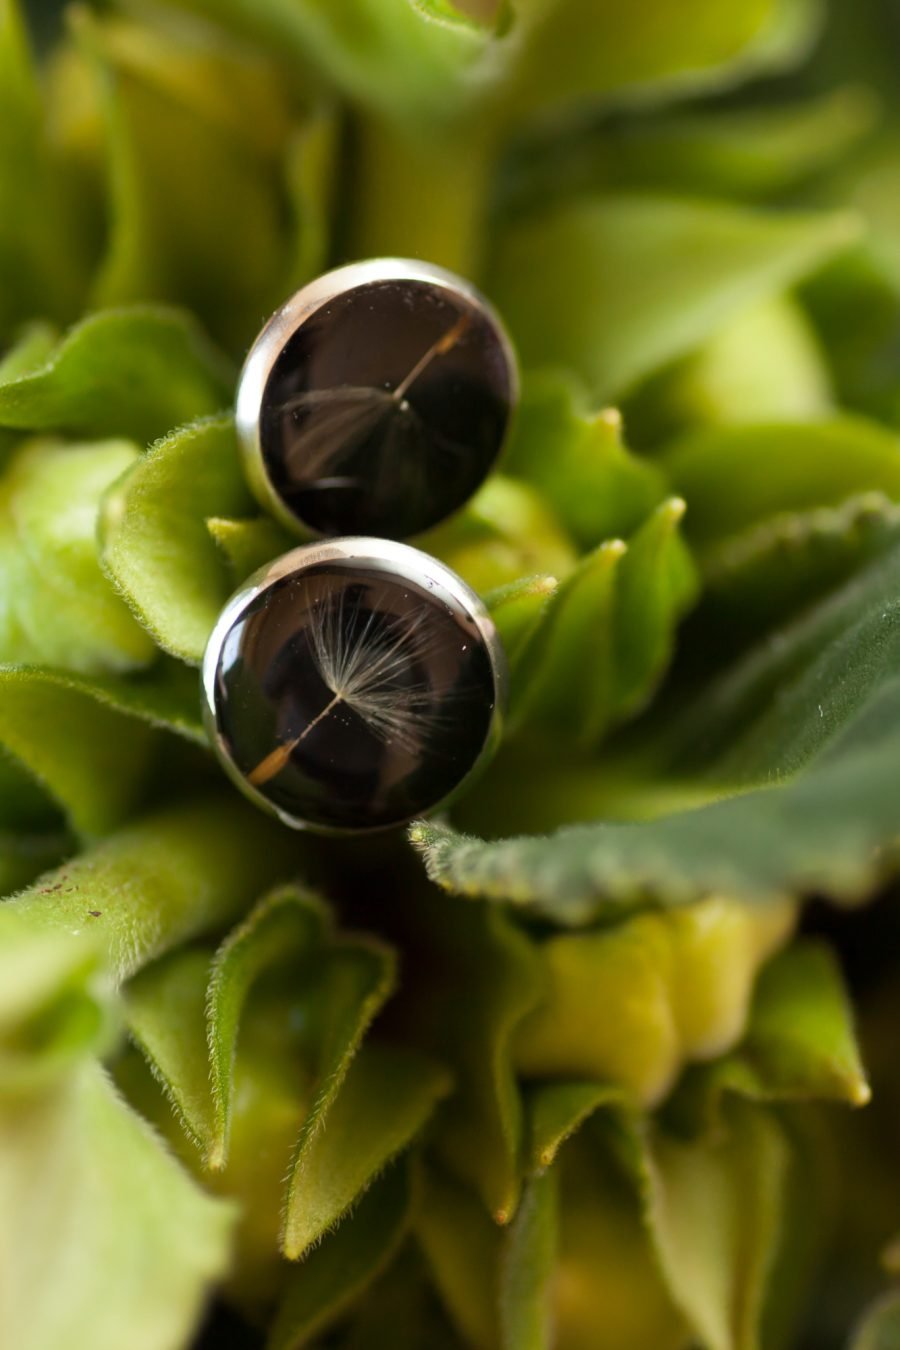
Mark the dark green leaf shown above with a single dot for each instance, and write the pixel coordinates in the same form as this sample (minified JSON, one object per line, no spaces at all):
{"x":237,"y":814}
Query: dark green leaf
{"x":828,"y":830}
{"x":462,"y":1248}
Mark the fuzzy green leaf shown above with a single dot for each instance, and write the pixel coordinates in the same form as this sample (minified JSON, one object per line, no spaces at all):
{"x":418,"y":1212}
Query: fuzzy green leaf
{"x":607,"y":634}
{"x":332,"y":1277}
{"x":384,"y":1101}
{"x":156,"y":547}
{"x":165,"y":1008}
{"x":361,"y":979}
{"x":57,"y":606}
{"x":131,"y":372}
{"x":156,"y":883}
{"x":528,"y":1268}
{"x":616,"y":288}
{"x":579,"y":463}
{"x":77,"y":1160}
{"x":288,"y":925}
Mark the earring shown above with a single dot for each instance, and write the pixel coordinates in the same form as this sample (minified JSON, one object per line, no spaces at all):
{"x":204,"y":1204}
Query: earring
{"x":353,"y":685}
{"x":375,"y":401}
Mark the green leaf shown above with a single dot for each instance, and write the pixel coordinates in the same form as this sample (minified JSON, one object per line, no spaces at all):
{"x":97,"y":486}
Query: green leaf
{"x":736,"y":477}
{"x":758,"y":578}
{"x":287,"y":926}
{"x":617,"y":288}
{"x":880,"y":1329}
{"x":608,"y":1286}
{"x":177,"y":873}
{"x":749,"y":153}
{"x":630,"y":1006}
{"x":517,"y":609}
{"x":54,"y":1011}
{"x":766,"y":365}
{"x":131,"y":372}
{"x":800,"y":1042}
{"x":606,"y":635}
{"x":402,"y":57}
{"x":828,"y":830}
{"x":578,"y":462}
{"x":574,"y":48}
{"x":384,"y":1101}
{"x":58,"y":607}
{"x":155,"y":544}
{"x":70,"y":734}
{"x":42,"y":252}
{"x":361,"y":979}
{"x":481,"y":1130}
{"x":178,"y":150}
{"x":90,"y":742}
{"x":506,"y":531}
{"x":77,"y":1160}
{"x":528,"y":1268}
{"x":165,"y":1008}
{"x":556,"y":1111}
{"x":249,"y":544}
{"x":462,"y":1248}
{"x":326,"y":1285}
{"x":714,"y":1212}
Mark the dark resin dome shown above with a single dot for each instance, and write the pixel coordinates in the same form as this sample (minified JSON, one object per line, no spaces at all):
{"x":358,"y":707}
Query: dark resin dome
{"x":383,"y":409}
{"x":350,"y":694}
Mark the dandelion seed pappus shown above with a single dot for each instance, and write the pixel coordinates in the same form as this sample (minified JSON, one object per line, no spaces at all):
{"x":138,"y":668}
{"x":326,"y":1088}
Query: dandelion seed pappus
{"x":353,"y":685}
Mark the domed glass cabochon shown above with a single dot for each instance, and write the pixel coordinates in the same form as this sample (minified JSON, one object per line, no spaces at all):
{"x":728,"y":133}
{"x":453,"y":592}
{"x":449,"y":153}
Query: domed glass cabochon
{"x":376,"y":401}
{"x":352,"y":685}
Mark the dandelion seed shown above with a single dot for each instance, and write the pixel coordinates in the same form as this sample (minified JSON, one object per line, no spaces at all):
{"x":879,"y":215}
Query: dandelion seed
{"x":366,"y":666}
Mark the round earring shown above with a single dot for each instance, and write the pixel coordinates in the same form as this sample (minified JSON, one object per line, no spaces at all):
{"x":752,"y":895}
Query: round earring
{"x":376,"y":400}
{"x":353,"y":685}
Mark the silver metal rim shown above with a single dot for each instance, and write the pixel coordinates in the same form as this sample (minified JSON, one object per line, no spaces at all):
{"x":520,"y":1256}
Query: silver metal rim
{"x":401,"y":560}
{"x":283,"y":325}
